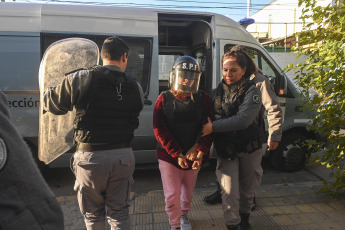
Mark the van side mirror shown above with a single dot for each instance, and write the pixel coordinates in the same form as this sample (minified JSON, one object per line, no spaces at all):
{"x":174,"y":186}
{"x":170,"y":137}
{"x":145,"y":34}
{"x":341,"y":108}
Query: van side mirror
{"x":279,"y":84}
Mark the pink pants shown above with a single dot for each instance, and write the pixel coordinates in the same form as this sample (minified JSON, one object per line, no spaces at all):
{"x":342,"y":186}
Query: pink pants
{"x":178,"y":186}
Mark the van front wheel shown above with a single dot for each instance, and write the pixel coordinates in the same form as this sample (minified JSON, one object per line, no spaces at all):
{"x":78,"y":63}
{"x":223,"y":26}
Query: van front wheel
{"x":291,"y":154}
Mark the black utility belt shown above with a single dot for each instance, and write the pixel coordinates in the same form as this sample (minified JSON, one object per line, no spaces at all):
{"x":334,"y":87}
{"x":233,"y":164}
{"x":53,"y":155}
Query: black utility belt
{"x":90,"y":147}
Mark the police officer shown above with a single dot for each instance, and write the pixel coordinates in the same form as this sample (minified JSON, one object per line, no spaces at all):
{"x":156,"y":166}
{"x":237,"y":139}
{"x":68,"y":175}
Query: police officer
{"x":270,"y":102}
{"x":239,"y":129}
{"x":177,"y":120}
{"x":26,"y":201}
{"x":107,"y":102}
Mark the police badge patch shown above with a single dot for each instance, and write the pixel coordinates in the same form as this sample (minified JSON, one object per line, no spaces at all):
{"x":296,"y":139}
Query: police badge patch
{"x":256,"y":99}
{"x":3,"y":154}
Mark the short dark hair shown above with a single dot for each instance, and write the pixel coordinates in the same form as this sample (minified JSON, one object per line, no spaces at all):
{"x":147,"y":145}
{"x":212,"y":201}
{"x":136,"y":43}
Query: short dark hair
{"x":243,"y":60}
{"x":113,"y":48}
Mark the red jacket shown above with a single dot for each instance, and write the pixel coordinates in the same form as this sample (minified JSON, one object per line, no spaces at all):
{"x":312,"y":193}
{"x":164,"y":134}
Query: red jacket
{"x":171,"y":148}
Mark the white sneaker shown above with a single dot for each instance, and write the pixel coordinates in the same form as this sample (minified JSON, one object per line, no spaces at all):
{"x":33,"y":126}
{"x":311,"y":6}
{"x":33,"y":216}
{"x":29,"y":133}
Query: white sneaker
{"x":185,"y":224}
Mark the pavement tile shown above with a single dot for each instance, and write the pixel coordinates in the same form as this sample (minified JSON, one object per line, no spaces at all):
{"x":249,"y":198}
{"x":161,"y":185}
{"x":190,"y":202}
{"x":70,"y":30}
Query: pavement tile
{"x":156,"y":193}
{"x":263,"y":222}
{"x":322,"y":207}
{"x":289,"y":209}
{"x":318,"y":217}
{"x":142,"y":227}
{"x":197,"y":203}
{"x":337,"y":216}
{"x":160,"y":217}
{"x":292,"y":200}
{"x":336,"y":205}
{"x":301,"y":218}
{"x":305,"y":208}
{"x":308,"y":198}
{"x":310,"y":226}
{"x":212,"y":206}
{"x":207,"y":224}
{"x":141,"y":219}
{"x":282,"y":220}
{"x":278,"y":201}
{"x":158,"y":203}
{"x":258,"y":211}
{"x":331,"y":226}
{"x":216,"y":214}
{"x":262,"y":202}
{"x":143,"y":204}
{"x":290,"y":228}
{"x":273,"y":210}
{"x":197,"y":214}
{"x":161,"y":226}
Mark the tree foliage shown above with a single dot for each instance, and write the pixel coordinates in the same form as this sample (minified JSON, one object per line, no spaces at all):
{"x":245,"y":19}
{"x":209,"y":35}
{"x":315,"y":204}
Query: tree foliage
{"x":323,"y":74}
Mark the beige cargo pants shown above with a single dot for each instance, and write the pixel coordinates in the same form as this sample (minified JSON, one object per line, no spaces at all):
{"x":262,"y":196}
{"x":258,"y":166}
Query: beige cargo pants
{"x":103,"y":182}
{"x":238,"y":179}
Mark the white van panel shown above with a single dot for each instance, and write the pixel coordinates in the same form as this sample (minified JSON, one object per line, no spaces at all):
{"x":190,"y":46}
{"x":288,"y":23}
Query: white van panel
{"x":98,"y":19}
{"x":227,"y":28}
{"x":20,"y":17}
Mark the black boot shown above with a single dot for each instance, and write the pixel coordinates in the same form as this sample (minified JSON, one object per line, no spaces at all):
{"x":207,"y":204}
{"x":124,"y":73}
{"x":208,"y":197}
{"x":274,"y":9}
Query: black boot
{"x":233,"y":227}
{"x":214,"y":198}
{"x":245,"y":225}
{"x":254,"y":204}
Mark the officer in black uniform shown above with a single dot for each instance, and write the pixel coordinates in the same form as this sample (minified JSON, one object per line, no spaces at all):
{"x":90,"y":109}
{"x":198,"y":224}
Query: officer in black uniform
{"x":271,"y":104}
{"x":107,"y":102}
{"x":26,"y":201}
{"x":239,"y":129}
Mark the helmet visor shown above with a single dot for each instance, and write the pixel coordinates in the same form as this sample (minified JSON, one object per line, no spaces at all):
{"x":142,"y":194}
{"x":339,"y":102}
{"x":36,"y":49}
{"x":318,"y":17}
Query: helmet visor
{"x":184,"y":80}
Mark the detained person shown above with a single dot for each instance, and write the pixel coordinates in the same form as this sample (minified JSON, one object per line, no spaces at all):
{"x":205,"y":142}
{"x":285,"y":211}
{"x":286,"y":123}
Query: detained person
{"x":178,"y":117}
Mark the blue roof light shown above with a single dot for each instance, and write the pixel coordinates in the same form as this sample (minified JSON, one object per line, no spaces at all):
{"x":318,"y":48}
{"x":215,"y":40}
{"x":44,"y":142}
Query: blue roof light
{"x":247,"y":21}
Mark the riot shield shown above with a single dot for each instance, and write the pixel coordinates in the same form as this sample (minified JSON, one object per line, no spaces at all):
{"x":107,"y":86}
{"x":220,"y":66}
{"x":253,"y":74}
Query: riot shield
{"x":63,"y":56}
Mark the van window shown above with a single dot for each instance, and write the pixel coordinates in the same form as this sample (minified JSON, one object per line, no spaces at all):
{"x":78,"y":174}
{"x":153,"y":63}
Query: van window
{"x":19,"y":58}
{"x":166,"y":62}
{"x":139,"y":59}
{"x":200,"y":56}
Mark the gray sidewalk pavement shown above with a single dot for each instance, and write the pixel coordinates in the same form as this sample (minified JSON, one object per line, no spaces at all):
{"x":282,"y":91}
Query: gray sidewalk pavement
{"x":279,"y":206}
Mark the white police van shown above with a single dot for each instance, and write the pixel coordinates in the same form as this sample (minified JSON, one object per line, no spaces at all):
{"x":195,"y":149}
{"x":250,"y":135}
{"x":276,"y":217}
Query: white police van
{"x":156,"y":38}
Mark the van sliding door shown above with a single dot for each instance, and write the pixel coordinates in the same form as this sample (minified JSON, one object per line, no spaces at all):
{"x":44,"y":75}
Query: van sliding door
{"x":181,"y":35}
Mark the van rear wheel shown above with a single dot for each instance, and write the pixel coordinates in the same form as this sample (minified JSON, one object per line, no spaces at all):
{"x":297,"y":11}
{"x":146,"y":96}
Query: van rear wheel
{"x":291,"y":154}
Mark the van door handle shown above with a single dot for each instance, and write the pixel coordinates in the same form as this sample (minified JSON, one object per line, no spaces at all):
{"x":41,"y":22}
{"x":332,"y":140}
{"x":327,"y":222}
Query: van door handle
{"x":147,"y":102}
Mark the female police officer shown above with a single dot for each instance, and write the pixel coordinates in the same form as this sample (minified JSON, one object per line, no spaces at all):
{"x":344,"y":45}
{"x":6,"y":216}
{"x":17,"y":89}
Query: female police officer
{"x":239,"y":136}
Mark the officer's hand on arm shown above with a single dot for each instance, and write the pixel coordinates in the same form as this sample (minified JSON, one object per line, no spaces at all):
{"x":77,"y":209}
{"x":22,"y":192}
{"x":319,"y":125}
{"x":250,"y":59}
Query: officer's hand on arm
{"x":182,"y":162}
{"x":207,"y":128}
{"x":191,"y":154}
{"x":272,"y":145}
{"x":198,"y":161}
